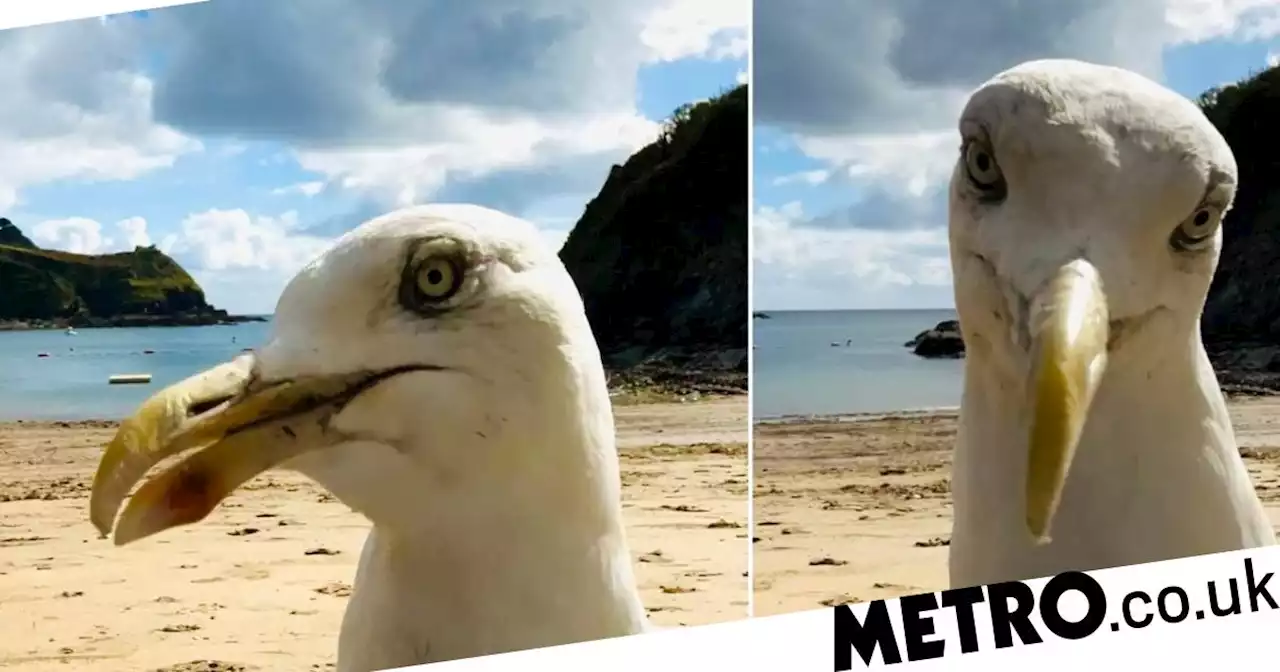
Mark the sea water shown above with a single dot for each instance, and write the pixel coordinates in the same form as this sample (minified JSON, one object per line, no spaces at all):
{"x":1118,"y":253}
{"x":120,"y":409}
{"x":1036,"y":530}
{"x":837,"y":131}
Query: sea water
{"x":837,"y":362}
{"x":70,"y":382}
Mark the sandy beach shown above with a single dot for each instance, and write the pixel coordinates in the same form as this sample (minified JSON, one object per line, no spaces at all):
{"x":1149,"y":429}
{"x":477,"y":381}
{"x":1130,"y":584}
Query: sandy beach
{"x":261,"y":584}
{"x":850,"y":511}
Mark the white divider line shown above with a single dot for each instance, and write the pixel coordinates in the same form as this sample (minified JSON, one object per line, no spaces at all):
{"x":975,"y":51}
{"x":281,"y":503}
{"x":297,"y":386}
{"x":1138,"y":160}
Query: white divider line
{"x":21,"y":13}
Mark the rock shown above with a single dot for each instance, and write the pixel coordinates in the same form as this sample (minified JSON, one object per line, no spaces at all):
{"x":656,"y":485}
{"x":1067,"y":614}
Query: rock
{"x":13,"y":236}
{"x":732,"y":359}
{"x":53,"y":289}
{"x":1244,"y":300}
{"x":660,"y":255}
{"x":941,"y":342}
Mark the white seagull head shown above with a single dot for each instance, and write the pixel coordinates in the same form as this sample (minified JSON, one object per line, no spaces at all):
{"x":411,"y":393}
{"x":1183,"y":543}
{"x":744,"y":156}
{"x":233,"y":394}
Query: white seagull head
{"x":437,"y":353}
{"x":1084,"y":226}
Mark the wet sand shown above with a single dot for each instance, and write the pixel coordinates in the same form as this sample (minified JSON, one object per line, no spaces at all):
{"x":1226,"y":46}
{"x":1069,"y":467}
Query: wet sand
{"x":262,"y":583}
{"x":855,"y":511}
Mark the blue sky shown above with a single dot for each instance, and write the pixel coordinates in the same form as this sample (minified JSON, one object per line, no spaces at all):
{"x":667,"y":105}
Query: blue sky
{"x":241,"y":137}
{"x":850,"y":178}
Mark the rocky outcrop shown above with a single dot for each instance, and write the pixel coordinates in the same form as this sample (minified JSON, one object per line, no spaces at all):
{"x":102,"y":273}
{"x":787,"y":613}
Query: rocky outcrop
{"x":660,"y":255}
{"x":54,"y":289}
{"x":1243,"y":308}
{"x":941,"y":342}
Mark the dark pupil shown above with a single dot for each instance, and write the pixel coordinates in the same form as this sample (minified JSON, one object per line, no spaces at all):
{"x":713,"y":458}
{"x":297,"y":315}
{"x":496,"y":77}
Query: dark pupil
{"x":1202,"y":218}
{"x":434,"y":276}
{"x":983,"y":162}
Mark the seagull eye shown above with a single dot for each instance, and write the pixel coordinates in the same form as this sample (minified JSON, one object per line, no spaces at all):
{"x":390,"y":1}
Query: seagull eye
{"x":437,"y":279}
{"x":1195,"y":232}
{"x":983,"y":171}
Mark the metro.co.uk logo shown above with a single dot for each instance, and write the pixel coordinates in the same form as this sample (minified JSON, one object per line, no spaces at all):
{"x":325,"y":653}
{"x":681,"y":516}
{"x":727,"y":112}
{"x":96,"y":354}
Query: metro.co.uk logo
{"x":1009,"y":608}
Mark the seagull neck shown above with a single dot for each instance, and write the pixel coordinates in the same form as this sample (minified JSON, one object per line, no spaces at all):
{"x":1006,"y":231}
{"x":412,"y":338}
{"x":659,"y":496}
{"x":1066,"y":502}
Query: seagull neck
{"x":1156,"y":474}
{"x":543,"y":564}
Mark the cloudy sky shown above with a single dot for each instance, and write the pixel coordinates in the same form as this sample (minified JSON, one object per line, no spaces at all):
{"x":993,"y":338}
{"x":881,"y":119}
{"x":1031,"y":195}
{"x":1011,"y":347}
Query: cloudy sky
{"x":242,"y":135}
{"x":855,"y":108}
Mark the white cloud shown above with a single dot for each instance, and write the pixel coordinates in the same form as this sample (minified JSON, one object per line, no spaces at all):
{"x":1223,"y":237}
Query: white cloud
{"x":134,"y":232}
{"x":241,"y":260}
{"x":697,"y":28}
{"x":879,"y":120}
{"x":76,"y":108}
{"x":304,"y":188}
{"x":219,"y":240}
{"x":86,"y":236}
{"x":741,"y":77}
{"x":345,"y":95}
{"x":1200,"y":20}
{"x":809,"y":177}
{"x":118,"y":141}
{"x":875,"y":258}
{"x":345,"y":91}
{"x":73,"y":234}
{"x":910,"y":163}
{"x":479,"y":144}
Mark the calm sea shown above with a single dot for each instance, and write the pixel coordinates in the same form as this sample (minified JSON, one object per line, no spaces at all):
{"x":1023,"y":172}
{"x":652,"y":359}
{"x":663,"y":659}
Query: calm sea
{"x":71,"y":383}
{"x":833,"y":362}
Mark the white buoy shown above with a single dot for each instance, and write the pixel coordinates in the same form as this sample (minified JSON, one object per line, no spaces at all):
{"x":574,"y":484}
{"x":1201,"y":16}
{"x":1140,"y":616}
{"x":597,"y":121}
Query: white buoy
{"x":130,"y":379}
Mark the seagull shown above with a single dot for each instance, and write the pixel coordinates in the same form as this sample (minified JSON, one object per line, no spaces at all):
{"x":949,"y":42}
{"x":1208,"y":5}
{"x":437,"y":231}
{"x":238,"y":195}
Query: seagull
{"x":435,"y":371}
{"x":1085,"y":213}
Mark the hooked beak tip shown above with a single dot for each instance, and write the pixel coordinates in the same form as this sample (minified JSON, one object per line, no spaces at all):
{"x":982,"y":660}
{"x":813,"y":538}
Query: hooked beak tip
{"x":1069,"y":334}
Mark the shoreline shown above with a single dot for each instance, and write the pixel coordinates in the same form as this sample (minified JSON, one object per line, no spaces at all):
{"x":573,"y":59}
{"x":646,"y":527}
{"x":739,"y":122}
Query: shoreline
{"x":1233,"y":393}
{"x":622,"y":398}
{"x":858,"y":416}
{"x":128,"y":322}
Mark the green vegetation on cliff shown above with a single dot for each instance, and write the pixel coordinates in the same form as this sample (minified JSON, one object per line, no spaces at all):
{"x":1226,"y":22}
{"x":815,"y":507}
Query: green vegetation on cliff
{"x":53,"y":288}
{"x":660,"y":255}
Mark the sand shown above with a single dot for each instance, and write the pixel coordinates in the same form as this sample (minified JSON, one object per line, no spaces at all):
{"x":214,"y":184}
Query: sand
{"x":262,"y":582}
{"x":855,"y":511}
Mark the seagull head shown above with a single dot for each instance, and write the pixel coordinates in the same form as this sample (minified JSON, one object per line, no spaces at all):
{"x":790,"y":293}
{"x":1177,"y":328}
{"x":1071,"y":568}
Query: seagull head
{"x":1085,"y":213}
{"x":435,"y":349}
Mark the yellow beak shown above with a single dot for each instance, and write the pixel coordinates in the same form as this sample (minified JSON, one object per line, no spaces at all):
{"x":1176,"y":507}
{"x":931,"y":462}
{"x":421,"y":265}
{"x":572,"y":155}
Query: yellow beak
{"x":240,"y":427}
{"x":1069,"y":336}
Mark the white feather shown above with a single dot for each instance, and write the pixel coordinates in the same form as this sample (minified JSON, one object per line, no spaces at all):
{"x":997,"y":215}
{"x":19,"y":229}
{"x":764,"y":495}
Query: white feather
{"x":1103,"y":163}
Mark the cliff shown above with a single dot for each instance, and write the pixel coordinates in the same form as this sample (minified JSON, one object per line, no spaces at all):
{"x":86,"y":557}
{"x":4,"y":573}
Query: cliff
{"x":49,"y":288}
{"x":1244,"y":301}
{"x":660,"y":255}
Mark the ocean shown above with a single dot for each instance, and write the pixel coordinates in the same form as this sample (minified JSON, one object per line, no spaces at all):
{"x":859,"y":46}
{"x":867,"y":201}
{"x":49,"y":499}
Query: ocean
{"x":71,"y":382}
{"x":852,"y":361}
{"x":806,"y":363}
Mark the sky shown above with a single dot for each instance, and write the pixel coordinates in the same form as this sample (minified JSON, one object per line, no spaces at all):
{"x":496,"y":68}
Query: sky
{"x":855,"y":103}
{"x":242,"y":136}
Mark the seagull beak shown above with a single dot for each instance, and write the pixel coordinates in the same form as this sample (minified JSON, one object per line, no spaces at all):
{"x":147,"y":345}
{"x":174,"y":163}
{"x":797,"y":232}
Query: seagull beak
{"x":241,"y":426}
{"x":1069,"y":332}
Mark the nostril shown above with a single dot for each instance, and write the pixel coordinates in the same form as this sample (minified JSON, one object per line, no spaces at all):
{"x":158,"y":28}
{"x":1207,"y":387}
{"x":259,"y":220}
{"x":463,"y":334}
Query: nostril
{"x":201,"y":407}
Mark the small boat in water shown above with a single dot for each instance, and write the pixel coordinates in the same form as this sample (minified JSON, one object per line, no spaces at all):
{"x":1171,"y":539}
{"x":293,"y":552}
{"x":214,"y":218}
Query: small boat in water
{"x":130,"y":379}
{"x":71,"y":332}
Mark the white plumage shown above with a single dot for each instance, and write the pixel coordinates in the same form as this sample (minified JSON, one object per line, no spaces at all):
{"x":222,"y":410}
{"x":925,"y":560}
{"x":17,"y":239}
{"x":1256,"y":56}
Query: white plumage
{"x":436,"y":372}
{"x":1084,"y":226}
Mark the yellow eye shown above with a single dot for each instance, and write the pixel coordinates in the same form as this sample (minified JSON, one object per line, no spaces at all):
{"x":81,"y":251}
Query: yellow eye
{"x":437,"y":279}
{"x":1196,"y":232}
{"x":981,"y":166}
